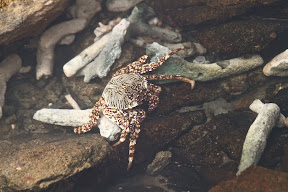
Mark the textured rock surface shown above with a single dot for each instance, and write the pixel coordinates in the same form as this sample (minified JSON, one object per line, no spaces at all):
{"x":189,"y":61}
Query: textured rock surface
{"x":31,"y":163}
{"x":28,"y":18}
{"x":186,"y":13}
{"x":255,"y":179}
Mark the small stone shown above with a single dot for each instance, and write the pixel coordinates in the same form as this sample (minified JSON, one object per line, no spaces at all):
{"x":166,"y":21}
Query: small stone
{"x":217,"y":107}
{"x":161,"y":160}
{"x":121,"y":5}
{"x":278,"y":66}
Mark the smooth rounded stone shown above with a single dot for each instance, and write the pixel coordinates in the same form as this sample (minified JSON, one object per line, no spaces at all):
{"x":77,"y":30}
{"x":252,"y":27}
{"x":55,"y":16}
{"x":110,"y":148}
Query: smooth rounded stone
{"x":201,"y":72}
{"x":19,"y":20}
{"x":100,"y":66}
{"x":255,"y":179}
{"x":256,"y":138}
{"x":85,"y":9}
{"x":47,"y":43}
{"x":75,"y":118}
{"x":217,"y":107}
{"x":162,"y":159}
{"x":278,"y":66}
{"x":8,"y":67}
{"x":121,"y":5}
{"x":30,"y":163}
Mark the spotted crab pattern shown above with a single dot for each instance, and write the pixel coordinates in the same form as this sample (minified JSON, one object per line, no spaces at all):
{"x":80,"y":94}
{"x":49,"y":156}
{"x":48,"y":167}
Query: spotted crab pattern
{"x":126,"y":90}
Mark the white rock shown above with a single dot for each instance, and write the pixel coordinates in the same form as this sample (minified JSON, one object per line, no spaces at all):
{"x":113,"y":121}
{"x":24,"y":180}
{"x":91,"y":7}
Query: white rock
{"x":258,"y":132}
{"x":278,"y":66}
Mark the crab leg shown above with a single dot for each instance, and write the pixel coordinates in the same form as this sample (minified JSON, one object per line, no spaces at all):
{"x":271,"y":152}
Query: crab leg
{"x":132,"y":67}
{"x":93,"y":118}
{"x":139,"y":116}
{"x":139,"y":67}
{"x":166,"y":77}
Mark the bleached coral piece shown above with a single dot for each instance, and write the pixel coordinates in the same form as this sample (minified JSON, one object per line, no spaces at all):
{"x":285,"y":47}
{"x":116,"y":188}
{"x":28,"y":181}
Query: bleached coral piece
{"x":74,"y":117}
{"x":112,"y":51}
{"x":278,"y":66}
{"x":86,"y":56}
{"x":8,"y":67}
{"x":202,"y":72}
{"x":103,"y":29}
{"x":258,"y":132}
{"x":140,"y":28}
{"x":48,"y":40}
{"x":190,"y":48}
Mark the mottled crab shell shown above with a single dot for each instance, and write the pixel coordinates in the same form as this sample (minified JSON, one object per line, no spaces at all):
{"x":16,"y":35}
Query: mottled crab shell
{"x":125,"y":91}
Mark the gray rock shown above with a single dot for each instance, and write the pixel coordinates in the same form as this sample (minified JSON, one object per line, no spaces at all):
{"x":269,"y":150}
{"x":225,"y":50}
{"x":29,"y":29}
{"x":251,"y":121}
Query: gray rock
{"x":161,"y":160}
{"x":35,"y":163}
{"x":112,"y":51}
{"x":278,"y":66}
{"x":121,"y":5}
{"x":216,"y":107}
{"x":258,"y":132}
{"x":202,"y":72}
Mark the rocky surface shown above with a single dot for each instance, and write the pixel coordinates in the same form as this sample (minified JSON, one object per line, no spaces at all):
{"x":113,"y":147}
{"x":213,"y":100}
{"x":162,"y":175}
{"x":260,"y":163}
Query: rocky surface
{"x":187,"y":13}
{"x":206,"y":149}
{"x":37,"y":162}
{"x":20,"y":19}
{"x":255,"y":179}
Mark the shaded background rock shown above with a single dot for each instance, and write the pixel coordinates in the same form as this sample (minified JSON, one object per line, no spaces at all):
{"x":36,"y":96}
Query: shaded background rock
{"x":21,"y":19}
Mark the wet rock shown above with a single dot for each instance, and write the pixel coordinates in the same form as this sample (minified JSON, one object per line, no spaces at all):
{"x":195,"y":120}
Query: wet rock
{"x":23,"y":19}
{"x":221,"y":140}
{"x":236,"y":38}
{"x":175,"y":177}
{"x":36,"y":163}
{"x":255,"y":179}
{"x":187,"y":13}
{"x":161,"y":160}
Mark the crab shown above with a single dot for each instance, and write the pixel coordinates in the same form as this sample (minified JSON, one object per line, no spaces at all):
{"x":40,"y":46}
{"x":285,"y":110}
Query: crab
{"x":126,"y":90}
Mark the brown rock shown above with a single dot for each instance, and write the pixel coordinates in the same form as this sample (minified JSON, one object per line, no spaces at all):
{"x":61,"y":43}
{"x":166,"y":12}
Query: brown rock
{"x":185,"y":13}
{"x":236,"y":38}
{"x":255,"y":179}
{"x":28,"y":18}
{"x":30,"y":163}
